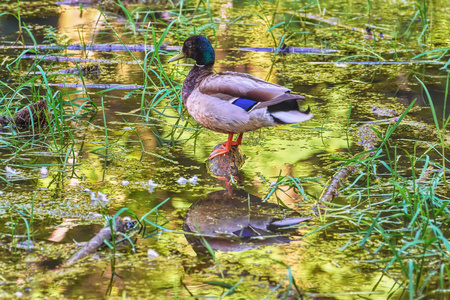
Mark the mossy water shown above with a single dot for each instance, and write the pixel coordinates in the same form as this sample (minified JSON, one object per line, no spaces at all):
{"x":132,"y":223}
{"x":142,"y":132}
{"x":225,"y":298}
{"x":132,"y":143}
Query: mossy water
{"x":114,"y":141}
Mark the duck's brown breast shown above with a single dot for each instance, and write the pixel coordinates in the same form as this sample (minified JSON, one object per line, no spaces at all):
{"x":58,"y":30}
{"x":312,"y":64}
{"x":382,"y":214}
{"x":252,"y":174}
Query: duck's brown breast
{"x":193,"y":79}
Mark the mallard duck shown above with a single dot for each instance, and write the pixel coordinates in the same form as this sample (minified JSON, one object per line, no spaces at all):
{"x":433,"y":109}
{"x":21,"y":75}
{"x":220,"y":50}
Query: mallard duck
{"x":231,"y":102}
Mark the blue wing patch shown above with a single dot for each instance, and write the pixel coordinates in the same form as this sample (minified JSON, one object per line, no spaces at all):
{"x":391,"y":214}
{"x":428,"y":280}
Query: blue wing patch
{"x":245,"y":104}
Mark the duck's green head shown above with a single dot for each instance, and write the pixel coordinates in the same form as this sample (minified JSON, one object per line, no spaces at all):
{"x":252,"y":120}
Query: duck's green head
{"x":198,"y":48}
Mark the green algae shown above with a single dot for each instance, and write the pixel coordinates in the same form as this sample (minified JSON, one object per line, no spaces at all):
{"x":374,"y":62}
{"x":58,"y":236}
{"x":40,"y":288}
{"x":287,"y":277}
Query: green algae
{"x":328,"y":263}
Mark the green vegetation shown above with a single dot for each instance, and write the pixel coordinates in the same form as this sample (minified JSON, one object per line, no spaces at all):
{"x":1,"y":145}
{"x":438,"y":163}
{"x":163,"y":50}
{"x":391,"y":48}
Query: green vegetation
{"x":115,"y":126}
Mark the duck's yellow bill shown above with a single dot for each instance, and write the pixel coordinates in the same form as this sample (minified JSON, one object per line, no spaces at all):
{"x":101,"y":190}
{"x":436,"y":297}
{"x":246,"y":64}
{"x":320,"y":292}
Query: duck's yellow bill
{"x":176,"y":57}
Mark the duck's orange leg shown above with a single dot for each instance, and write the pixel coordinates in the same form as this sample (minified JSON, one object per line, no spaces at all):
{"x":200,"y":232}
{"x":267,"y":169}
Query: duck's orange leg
{"x":224,"y":149}
{"x":238,"y":141}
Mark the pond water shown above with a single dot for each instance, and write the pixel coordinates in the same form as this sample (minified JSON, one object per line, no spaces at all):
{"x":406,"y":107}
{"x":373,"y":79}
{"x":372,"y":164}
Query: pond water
{"x":113,"y":141}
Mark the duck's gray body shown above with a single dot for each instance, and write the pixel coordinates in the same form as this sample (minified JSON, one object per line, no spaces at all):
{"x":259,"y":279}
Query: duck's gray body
{"x":231,"y":102}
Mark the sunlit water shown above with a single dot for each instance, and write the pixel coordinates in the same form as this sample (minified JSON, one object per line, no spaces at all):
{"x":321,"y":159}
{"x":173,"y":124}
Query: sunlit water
{"x":64,"y":211}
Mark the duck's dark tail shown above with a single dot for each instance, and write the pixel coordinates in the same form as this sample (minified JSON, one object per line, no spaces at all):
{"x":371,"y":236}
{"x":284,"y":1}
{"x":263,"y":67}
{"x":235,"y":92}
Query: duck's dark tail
{"x":288,"y":112}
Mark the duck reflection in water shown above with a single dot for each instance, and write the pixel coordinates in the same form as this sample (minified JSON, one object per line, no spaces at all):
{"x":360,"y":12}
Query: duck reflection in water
{"x":238,"y":222}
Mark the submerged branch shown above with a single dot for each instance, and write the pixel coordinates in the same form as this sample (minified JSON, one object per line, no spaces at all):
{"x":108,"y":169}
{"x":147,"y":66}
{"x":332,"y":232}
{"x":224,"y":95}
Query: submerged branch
{"x":336,"y":22}
{"x":94,"y":47}
{"x":368,"y":139}
{"x":76,"y":59}
{"x":99,"y":86}
{"x":98,"y":241}
{"x":142,"y":48}
{"x":336,"y":182}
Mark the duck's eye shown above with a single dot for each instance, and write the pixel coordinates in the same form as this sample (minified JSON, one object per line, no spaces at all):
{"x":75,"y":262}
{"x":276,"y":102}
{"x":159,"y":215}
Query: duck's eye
{"x":188,"y":44}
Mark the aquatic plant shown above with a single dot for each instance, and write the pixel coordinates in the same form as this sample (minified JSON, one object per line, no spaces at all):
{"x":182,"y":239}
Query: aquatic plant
{"x":385,"y":227}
